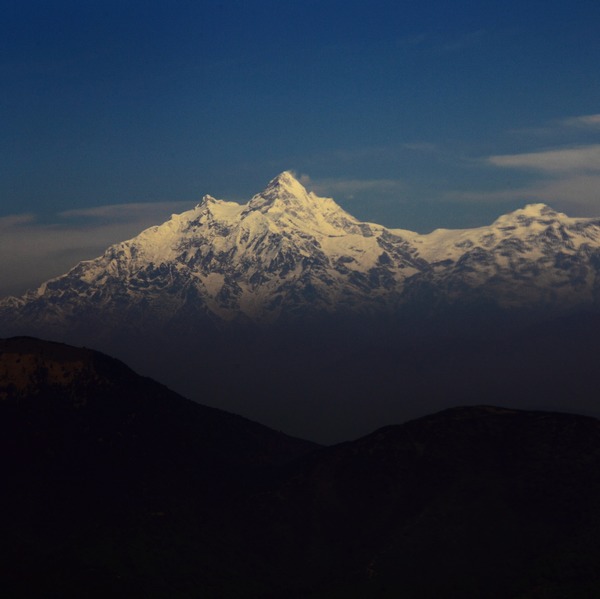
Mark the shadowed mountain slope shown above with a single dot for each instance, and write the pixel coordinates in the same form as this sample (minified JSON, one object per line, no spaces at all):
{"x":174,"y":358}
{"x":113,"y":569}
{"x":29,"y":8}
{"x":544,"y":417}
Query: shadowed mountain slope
{"x":70,"y":387}
{"x":115,"y":486}
{"x":113,"y":481}
{"x":470,"y":502}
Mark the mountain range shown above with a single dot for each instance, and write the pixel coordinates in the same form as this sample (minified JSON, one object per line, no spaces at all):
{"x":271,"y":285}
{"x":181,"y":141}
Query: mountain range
{"x":115,"y":486}
{"x":289,"y":310}
{"x":288,"y":253}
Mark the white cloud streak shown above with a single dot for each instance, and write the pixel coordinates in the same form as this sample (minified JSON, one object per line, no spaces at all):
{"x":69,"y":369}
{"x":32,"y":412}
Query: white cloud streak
{"x":15,"y":220}
{"x":578,"y":195}
{"x":32,"y":252}
{"x":591,"y":121}
{"x":575,"y":195}
{"x":137,"y":212}
{"x":349,"y":187}
{"x":578,"y":159}
{"x":581,"y":126}
{"x":566,"y":178}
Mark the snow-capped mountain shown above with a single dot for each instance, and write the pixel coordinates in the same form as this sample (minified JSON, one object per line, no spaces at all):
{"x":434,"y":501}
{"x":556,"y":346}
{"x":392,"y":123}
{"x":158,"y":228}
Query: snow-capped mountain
{"x":283,"y":251}
{"x":534,"y":257}
{"x":289,"y":253}
{"x":290,"y":311}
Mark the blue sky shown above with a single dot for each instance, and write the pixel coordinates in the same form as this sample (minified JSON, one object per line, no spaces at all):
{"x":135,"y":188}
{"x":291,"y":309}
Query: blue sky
{"x":113,"y":114}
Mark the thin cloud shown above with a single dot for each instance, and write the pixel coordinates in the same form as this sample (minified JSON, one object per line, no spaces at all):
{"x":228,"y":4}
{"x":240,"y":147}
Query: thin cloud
{"x":566,"y":178}
{"x":582,"y":158}
{"x":32,"y":251}
{"x":586,"y":121}
{"x":127,"y":212}
{"x":577,"y":195}
{"x":584,"y":125}
{"x":15,"y":220}
{"x":348,"y":188}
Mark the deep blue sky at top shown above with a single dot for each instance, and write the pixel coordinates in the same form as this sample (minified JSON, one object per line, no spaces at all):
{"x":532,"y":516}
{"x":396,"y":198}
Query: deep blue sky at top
{"x":414,"y":114}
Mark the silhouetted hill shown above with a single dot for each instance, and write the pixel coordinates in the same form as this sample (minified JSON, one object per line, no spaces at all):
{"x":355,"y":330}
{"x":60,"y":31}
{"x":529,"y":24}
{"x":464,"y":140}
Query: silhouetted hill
{"x":469,"y":502}
{"x":117,"y":487}
{"x":105,"y":466}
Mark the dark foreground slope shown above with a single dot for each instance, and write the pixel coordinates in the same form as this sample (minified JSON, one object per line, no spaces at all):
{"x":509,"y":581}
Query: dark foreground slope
{"x":470,"y":502}
{"x":117,"y":487}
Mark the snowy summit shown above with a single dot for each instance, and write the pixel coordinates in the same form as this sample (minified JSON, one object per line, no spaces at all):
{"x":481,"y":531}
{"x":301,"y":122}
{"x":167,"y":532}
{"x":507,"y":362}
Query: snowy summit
{"x":288,"y":252}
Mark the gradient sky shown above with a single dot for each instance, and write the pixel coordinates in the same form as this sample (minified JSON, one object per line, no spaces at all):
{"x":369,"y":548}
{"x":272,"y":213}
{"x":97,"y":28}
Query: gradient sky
{"x":114,"y":114}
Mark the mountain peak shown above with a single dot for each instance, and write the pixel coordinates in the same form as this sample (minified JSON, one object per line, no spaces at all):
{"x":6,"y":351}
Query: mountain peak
{"x":528,"y":214}
{"x":286,"y":182}
{"x":282,"y":191}
{"x":285,"y":178}
{"x":538,"y":209}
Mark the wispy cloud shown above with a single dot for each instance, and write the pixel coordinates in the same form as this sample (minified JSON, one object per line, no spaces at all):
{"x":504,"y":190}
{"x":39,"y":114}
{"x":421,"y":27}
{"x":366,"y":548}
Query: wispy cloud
{"x":577,"y":195}
{"x":566,"y":178}
{"x":585,"y":121}
{"x":348,"y":188}
{"x":32,"y":251}
{"x":137,"y":212}
{"x":581,"y":126}
{"x":582,"y":158}
{"x":15,"y":220}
